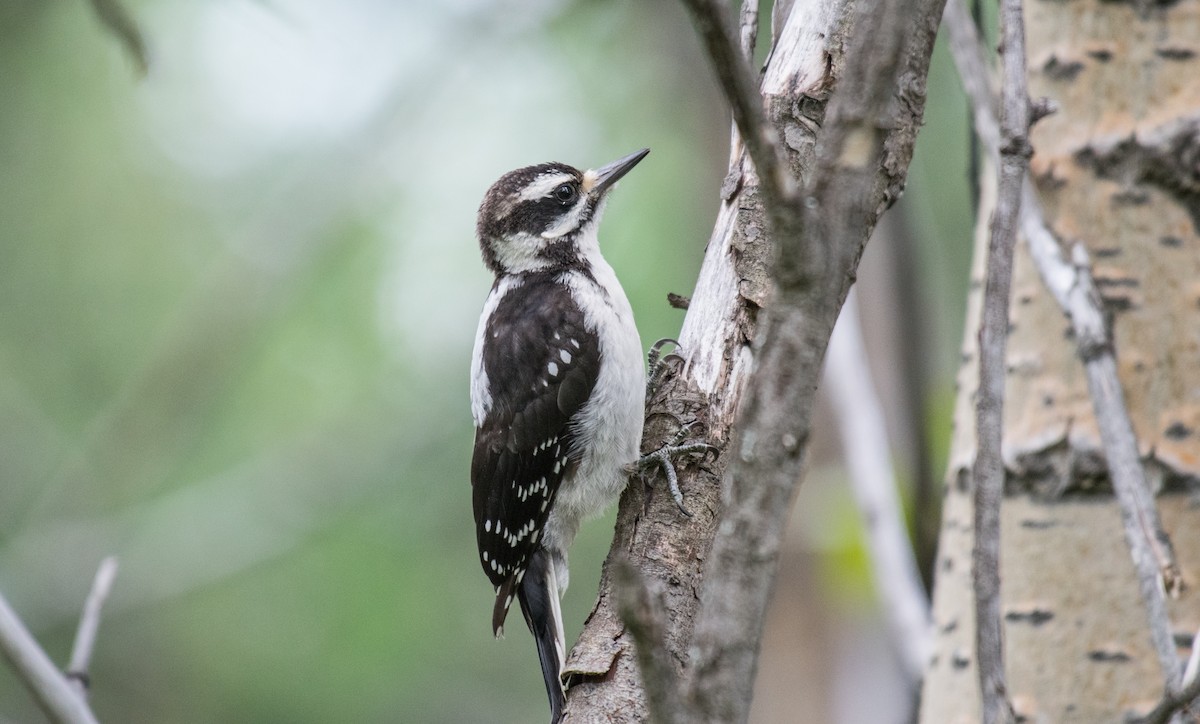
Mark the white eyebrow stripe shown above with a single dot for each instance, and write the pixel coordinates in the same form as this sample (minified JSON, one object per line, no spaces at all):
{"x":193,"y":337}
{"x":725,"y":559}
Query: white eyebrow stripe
{"x":544,"y":184}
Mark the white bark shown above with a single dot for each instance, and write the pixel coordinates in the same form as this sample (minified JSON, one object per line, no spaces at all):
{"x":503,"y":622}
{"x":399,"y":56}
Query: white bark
{"x":867,"y":453}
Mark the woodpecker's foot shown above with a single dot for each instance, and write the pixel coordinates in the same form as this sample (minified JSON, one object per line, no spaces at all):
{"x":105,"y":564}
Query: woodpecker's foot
{"x":664,"y":458}
{"x":659,"y":364}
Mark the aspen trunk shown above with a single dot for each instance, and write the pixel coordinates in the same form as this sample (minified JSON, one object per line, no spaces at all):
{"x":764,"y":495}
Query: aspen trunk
{"x":1117,"y":167}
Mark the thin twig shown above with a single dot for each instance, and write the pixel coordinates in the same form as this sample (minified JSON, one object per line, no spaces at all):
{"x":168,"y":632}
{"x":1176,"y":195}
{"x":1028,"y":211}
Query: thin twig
{"x":971,"y":61}
{"x":741,"y":89}
{"x":1070,"y":283}
{"x":1139,"y":515}
{"x":748,"y":29}
{"x":642,"y":612}
{"x":863,"y":433}
{"x":35,"y":669}
{"x":1143,"y":523}
{"x":1191,"y":671}
{"x":1173,"y":704}
{"x":988,"y":470}
{"x":748,"y":36}
{"x":89,"y":624}
{"x":1171,"y":707}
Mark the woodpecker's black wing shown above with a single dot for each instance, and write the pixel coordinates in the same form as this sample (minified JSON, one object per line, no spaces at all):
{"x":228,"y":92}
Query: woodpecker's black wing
{"x":541,"y":363}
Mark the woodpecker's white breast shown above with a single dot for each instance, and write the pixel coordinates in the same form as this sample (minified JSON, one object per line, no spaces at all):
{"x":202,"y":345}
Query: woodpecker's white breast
{"x":609,"y":427}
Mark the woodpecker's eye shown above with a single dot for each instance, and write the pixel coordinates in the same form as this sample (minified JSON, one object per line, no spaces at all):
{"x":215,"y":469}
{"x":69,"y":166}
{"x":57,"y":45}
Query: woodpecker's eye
{"x":565,"y":193}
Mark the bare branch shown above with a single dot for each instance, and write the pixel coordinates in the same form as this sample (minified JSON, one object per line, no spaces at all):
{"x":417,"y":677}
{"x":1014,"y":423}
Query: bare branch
{"x":741,"y":90}
{"x":1191,"y":671}
{"x":89,"y":624}
{"x":48,"y":686}
{"x":867,"y":453}
{"x":1148,"y":542}
{"x":748,"y":29}
{"x":642,"y":613}
{"x":748,"y":36}
{"x":1072,"y":286}
{"x":988,"y":470}
{"x":969,"y":58}
{"x":1172,"y":704}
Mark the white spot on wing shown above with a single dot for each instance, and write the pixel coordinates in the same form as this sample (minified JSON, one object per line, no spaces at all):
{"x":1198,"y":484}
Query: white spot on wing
{"x":565,"y":356}
{"x":552,"y":368}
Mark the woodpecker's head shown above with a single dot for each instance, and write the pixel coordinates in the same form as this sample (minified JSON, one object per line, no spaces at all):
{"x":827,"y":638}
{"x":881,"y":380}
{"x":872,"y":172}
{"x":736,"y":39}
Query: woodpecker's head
{"x":545,"y":216}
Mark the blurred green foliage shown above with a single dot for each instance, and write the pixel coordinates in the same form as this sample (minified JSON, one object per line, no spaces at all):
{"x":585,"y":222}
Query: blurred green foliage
{"x":237,"y":299}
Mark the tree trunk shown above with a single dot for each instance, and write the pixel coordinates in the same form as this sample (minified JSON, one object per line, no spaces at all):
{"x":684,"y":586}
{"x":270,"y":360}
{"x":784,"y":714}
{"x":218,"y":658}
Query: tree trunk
{"x":676,"y":555}
{"x":1118,"y":168}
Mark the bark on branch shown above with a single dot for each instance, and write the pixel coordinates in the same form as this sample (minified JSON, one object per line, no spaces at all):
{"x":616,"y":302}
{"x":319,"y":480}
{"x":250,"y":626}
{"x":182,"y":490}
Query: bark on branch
{"x":61,"y":697}
{"x":987,"y":473}
{"x":89,"y":626}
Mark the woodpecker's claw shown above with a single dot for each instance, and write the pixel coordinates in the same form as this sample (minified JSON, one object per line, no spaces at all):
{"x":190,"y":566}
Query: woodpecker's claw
{"x":657,"y":364}
{"x":664,"y":458}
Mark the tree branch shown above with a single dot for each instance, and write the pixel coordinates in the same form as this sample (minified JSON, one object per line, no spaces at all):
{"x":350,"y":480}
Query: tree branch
{"x":642,"y":613}
{"x":748,"y":30}
{"x":89,"y":624}
{"x":1191,"y":671}
{"x":1148,"y":542}
{"x":1071,"y":284}
{"x":748,"y":37}
{"x":741,"y":90}
{"x":45,"y":682}
{"x":988,"y":470}
{"x":1172,"y":704}
{"x":863,"y":433}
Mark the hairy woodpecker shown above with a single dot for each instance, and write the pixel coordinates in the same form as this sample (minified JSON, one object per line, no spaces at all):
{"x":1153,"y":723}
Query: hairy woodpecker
{"x":557,"y":390}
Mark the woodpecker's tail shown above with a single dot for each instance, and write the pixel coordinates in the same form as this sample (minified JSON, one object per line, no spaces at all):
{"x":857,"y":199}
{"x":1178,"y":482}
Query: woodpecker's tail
{"x":538,"y":595}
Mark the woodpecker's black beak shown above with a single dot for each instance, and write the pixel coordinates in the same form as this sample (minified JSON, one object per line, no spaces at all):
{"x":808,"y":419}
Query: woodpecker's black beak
{"x":608,"y":174}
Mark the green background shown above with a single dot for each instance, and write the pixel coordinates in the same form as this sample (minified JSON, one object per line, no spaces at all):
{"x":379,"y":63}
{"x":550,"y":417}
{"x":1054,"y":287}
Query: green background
{"x":237,"y":300}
